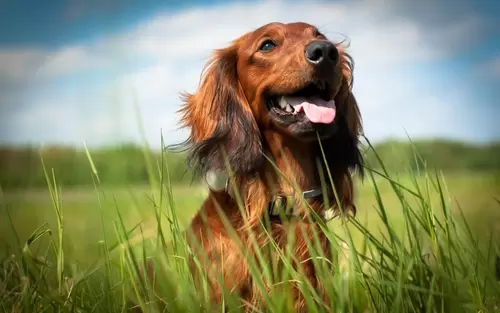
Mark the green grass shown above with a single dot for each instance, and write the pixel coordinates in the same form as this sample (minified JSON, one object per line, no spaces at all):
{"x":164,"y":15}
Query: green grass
{"x":420,"y":243}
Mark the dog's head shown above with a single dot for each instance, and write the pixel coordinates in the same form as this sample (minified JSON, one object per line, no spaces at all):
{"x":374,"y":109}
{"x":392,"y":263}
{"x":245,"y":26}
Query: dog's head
{"x":283,"y":78}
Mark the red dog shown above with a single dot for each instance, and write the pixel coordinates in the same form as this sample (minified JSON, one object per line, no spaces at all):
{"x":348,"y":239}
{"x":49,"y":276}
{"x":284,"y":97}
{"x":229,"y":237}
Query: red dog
{"x":263,"y":106}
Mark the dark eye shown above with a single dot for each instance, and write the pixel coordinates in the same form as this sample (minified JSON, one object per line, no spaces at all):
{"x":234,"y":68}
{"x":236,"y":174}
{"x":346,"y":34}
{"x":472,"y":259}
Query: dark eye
{"x":267,"y":46}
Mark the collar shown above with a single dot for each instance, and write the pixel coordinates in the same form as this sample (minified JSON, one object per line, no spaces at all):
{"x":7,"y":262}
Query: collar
{"x":280,"y":205}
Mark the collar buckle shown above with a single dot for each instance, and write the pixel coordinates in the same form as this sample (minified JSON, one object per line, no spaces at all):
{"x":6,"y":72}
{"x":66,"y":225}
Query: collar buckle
{"x":282,"y":205}
{"x":287,"y":205}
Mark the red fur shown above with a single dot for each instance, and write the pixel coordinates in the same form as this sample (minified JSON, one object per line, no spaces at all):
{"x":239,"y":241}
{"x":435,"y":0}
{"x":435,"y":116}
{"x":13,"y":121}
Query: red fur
{"x":229,"y":121}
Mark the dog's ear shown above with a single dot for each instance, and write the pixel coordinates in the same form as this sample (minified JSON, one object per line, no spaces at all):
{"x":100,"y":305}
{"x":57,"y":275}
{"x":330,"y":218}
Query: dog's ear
{"x":223,"y":128}
{"x":342,"y":149}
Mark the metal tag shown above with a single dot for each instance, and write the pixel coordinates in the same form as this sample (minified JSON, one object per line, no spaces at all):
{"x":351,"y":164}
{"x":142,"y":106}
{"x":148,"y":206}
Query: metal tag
{"x":216,"y":181}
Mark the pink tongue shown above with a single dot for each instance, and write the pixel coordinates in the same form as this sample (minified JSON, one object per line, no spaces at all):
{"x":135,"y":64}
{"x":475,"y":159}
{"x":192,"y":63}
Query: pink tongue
{"x":317,"y":110}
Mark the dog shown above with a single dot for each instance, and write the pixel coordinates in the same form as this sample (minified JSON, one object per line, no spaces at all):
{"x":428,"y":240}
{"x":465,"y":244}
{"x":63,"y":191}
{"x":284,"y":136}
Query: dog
{"x":273,"y":117}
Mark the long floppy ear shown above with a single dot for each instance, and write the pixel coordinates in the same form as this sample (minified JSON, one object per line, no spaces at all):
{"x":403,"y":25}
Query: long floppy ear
{"x":221,"y":121}
{"x":342,"y":149}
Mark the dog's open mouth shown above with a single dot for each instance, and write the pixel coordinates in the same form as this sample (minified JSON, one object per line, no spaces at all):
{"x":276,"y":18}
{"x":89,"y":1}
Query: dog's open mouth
{"x":313,"y":101}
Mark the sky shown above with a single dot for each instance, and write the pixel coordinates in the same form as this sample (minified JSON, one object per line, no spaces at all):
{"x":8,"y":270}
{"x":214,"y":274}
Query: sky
{"x":88,"y":70}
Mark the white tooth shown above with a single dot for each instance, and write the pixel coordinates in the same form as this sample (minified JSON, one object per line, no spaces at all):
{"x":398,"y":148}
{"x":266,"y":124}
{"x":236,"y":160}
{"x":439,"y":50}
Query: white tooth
{"x":283,"y":104}
{"x":289,"y":108}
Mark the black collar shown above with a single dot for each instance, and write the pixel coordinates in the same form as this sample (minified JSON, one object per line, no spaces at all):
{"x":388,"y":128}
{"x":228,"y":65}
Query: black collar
{"x":279,"y":206}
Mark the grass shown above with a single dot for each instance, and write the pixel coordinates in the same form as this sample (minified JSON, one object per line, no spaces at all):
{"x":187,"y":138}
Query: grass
{"x":420,"y":243}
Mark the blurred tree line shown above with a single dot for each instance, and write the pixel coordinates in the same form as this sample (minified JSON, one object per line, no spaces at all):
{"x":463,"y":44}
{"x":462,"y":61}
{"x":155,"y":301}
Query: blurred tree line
{"x":21,"y":167}
{"x":444,"y":155}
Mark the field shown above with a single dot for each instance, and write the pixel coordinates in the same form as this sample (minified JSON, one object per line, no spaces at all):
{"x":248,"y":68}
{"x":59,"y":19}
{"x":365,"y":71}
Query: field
{"x":385,"y":262}
{"x":29,"y":209}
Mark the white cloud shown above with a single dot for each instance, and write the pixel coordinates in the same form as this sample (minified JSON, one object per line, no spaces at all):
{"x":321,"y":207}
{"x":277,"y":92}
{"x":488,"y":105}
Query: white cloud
{"x":25,"y":65}
{"x":18,"y":64}
{"x":68,"y":60}
{"x":171,"y":51}
{"x":377,"y":35}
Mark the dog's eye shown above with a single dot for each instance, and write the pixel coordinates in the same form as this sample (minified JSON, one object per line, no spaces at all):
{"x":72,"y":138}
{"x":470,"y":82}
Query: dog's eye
{"x":267,"y":46}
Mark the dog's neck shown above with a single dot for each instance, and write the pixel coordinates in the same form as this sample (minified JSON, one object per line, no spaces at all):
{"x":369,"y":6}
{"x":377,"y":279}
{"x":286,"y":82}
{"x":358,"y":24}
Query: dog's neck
{"x":290,"y":170}
{"x":295,"y":164}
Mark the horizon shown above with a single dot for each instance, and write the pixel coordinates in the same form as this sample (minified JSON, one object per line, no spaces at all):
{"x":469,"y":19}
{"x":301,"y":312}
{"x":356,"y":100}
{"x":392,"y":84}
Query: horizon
{"x":139,"y":144}
{"x":70,"y":73}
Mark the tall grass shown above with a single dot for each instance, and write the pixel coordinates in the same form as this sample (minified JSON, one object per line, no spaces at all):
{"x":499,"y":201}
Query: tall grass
{"x":430,"y":261}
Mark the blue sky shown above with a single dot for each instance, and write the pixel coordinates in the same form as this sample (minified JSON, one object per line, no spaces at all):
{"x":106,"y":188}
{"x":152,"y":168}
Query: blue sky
{"x":70,"y":70}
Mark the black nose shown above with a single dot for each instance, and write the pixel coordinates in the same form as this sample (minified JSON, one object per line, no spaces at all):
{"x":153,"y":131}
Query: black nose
{"x":321,"y":52}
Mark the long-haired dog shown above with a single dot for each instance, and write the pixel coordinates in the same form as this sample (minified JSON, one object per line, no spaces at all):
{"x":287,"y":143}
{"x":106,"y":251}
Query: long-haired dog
{"x":275,"y":112}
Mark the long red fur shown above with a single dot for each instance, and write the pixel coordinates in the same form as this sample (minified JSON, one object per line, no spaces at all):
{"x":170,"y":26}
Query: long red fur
{"x":229,"y":126}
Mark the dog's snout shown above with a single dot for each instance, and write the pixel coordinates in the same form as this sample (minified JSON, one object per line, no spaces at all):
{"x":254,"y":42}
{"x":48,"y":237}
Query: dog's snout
{"x":321,"y":52}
